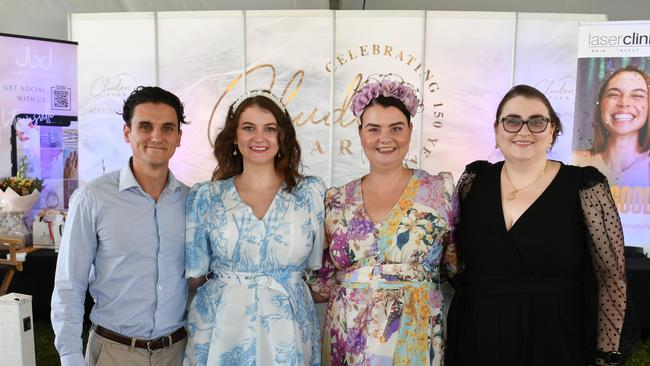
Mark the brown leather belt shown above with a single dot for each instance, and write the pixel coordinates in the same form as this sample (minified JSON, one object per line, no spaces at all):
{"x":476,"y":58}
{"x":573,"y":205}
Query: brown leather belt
{"x":150,"y":344}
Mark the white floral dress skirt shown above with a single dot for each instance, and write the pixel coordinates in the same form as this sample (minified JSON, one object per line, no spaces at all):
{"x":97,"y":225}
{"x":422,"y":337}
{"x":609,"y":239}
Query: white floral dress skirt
{"x":255,"y":308}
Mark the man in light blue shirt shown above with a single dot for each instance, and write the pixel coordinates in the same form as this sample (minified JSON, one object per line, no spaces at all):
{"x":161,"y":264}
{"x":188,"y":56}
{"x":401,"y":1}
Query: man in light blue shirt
{"x":124,"y":240}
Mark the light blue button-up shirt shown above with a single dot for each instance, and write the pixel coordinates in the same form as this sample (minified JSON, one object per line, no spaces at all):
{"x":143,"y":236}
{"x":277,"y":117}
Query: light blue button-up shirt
{"x":129,"y":250}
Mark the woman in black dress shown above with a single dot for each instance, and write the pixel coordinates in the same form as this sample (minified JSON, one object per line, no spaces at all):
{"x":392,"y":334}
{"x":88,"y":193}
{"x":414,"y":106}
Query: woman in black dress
{"x":531,"y":231}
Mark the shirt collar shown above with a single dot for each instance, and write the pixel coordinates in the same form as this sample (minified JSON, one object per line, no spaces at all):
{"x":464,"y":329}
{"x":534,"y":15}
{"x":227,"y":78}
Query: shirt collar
{"x":127,"y":179}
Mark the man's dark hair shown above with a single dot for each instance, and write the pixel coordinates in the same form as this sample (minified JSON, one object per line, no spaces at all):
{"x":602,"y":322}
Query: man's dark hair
{"x":152,"y":94}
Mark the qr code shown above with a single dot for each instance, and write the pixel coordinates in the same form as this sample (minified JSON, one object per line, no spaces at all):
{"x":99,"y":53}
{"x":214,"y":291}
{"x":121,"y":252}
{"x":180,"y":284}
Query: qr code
{"x":61,"y":98}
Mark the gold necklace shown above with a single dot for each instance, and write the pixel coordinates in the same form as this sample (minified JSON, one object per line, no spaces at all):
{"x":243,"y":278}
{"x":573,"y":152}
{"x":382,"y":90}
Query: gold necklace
{"x":513,"y":194}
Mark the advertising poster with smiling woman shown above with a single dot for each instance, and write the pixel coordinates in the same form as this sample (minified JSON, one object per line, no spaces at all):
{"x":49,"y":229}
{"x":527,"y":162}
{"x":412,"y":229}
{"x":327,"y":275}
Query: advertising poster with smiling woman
{"x":611,"y":130}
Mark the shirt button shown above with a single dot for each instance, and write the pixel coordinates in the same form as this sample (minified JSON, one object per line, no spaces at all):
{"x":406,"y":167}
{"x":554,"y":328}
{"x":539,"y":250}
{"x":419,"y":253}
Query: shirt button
{"x":159,"y":288}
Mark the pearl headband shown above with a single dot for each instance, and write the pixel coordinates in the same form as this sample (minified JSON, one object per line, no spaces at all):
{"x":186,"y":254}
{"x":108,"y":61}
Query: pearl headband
{"x":258,"y":93}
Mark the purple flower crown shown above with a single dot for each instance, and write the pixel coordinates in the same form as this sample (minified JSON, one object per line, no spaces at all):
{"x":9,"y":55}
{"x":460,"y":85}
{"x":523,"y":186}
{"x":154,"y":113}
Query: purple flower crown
{"x":387,"y":85}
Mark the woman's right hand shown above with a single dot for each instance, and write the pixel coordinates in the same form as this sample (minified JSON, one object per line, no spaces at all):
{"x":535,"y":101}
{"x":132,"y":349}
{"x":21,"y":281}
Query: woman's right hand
{"x":318,"y":298}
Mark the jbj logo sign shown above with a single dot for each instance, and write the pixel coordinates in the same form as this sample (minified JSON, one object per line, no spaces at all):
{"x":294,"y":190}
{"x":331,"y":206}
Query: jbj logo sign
{"x":33,"y":60}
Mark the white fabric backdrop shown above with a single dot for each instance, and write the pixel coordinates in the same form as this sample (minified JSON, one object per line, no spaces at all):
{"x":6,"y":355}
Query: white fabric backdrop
{"x":463,"y":62}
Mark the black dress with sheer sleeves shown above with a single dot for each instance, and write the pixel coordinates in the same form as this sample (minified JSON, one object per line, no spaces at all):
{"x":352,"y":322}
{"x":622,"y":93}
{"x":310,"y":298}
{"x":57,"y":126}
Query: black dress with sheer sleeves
{"x":521,"y":295}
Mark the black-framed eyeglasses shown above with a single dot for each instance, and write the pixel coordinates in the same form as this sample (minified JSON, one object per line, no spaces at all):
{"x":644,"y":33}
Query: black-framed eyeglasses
{"x":536,"y":124}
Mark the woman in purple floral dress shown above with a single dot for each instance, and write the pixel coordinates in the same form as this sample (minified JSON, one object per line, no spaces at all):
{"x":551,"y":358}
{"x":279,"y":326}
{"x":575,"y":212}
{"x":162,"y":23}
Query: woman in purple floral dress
{"x":388,"y":235}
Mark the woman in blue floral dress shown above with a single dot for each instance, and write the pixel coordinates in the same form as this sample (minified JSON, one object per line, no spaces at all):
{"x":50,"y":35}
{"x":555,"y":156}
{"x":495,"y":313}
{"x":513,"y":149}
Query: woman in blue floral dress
{"x":252,"y":231}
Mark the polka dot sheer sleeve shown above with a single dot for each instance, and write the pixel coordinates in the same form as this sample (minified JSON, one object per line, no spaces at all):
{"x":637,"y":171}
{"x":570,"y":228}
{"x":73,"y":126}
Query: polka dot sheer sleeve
{"x":463,"y":189}
{"x":605,"y":246}
{"x":464,"y":185}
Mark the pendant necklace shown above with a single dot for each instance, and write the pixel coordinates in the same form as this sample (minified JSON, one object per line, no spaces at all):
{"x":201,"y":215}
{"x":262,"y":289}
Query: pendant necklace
{"x":626,"y":168}
{"x":516,"y":190}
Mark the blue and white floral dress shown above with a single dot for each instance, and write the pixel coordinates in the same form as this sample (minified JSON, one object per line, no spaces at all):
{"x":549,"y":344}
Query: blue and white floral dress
{"x":255,"y":308}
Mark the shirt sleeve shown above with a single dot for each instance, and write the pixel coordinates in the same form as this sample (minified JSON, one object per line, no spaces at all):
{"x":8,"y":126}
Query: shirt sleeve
{"x":197,"y":243}
{"x":75,"y":258}
{"x":322,"y":281}
{"x":449,"y":266}
{"x":317,"y":212}
{"x":606,"y":247}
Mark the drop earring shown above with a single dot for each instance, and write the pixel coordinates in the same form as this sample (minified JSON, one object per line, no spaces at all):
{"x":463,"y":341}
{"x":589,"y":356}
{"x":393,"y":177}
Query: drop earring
{"x":234,"y":153}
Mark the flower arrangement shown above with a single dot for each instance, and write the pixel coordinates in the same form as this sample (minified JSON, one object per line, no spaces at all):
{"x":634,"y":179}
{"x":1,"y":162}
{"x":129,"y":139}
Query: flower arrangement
{"x":20,"y":183}
{"x":387,"y":85}
{"x":18,"y":193}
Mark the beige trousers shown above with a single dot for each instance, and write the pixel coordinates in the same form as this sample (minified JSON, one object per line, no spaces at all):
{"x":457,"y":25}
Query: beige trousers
{"x":104,"y":352}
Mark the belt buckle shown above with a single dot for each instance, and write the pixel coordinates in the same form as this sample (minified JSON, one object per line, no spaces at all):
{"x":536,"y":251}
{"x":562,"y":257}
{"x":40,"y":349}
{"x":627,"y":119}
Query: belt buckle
{"x":162,"y":341}
{"x":149,"y":344}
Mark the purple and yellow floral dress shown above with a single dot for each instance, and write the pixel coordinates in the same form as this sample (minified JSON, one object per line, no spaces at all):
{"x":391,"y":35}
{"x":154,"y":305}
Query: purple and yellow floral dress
{"x":383,"y":280}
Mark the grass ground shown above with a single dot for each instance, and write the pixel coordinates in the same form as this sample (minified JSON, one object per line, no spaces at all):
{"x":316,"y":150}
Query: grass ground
{"x":44,"y":344}
{"x":641,"y":357}
{"x":46,"y":354}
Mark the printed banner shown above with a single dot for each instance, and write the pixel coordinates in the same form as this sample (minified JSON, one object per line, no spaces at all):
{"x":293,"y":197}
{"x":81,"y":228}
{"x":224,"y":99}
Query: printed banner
{"x":367,"y":44}
{"x":117,"y":53}
{"x":546,"y":50}
{"x":469,"y":67}
{"x":288,"y":53}
{"x":38,"y":97}
{"x":200,"y":58}
{"x":612,"y":117}
{"x":462,"y":63}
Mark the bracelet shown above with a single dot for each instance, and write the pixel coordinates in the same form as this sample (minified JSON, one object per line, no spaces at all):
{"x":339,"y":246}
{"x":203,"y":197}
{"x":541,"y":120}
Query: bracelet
{"x":611,"y":358}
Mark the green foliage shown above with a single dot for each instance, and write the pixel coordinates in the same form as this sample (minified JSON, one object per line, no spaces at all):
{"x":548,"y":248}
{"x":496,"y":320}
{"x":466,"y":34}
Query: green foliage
{"x":641,"y":356}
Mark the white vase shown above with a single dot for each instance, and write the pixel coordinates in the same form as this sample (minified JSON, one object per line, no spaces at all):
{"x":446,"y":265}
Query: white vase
{"x":13,"y":212}
{"x":12,"y":225}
